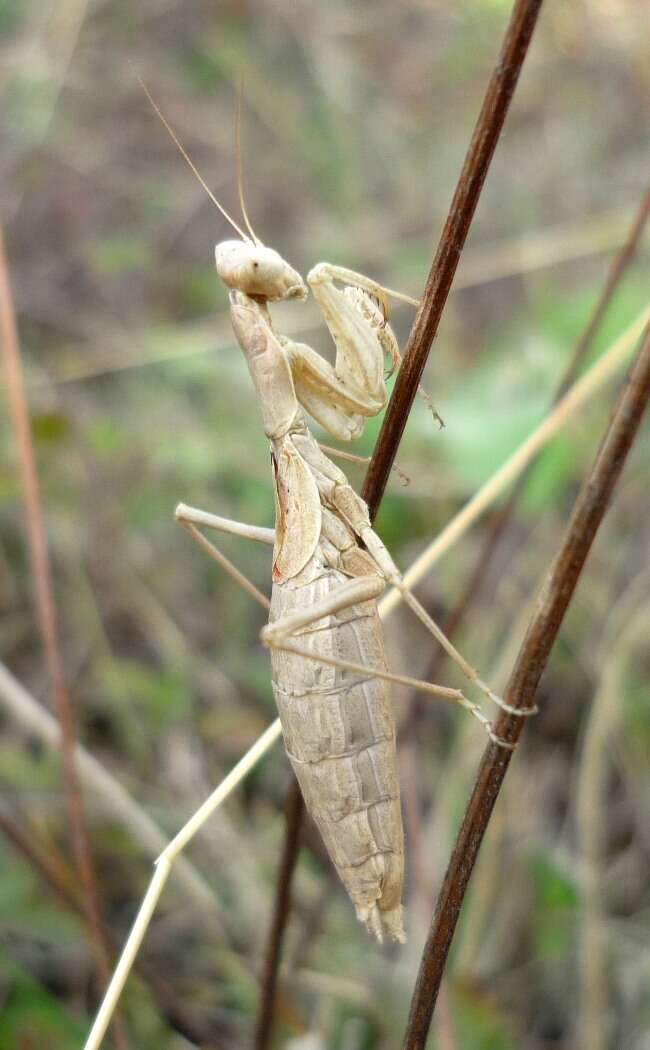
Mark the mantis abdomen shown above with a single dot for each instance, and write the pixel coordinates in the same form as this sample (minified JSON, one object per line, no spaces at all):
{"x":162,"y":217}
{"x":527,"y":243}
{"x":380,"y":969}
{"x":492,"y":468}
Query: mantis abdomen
{"x":339,"y":734}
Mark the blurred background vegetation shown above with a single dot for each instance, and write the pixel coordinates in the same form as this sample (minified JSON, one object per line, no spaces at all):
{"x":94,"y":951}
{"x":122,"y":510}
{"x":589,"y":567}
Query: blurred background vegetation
{"x":356,"y":118}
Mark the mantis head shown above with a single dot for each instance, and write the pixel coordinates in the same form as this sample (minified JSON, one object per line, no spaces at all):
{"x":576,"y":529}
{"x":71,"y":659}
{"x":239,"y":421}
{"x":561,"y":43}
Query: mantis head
{"x":247,"y":265}
{"x":257,"y":270}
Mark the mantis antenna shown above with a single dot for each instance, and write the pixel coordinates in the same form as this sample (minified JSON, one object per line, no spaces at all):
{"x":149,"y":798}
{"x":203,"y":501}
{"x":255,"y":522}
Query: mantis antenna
{"x":240,"y":177}
{"x":240,"y":186}
{"x":192,"y":165}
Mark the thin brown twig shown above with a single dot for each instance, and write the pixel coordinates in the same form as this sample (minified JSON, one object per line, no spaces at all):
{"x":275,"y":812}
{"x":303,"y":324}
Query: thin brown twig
{"x":551,"y":606}
{"x":48,"y":626}
{"x":294,"y":810}
{"x":615,"y":274}
{"x":48,"y":862}
{"x":463,"y":206}
{"x":490,"y":122}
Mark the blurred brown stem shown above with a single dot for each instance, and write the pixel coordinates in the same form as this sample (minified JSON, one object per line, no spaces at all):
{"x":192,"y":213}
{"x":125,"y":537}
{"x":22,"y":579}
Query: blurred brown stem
{"x":48,"y":626}
{"x":531,"y":661}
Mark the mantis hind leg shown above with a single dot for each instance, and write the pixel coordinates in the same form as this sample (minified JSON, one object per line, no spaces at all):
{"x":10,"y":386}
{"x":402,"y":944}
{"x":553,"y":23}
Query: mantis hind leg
{"x":350,"y":507}
{"x":281,"y":633}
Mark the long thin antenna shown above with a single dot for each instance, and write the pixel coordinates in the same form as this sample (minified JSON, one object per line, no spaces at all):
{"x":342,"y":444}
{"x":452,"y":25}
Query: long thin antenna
{"x":240,"y":177}
{"x":189,"y":161}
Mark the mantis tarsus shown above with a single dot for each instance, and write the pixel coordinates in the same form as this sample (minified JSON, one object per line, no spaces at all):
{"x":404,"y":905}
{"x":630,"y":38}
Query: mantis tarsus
{"x":329,"y":567}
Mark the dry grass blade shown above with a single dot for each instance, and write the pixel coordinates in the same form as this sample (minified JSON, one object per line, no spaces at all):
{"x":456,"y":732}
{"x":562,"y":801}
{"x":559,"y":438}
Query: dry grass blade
{"x":525,"y":254}
{"x":581,"y":391}
{"x":615,"y":274}
{"x":48,"y":862}
{"x":48,"y":626}
{"x":550,"y":609}
{"x":539,"y":249}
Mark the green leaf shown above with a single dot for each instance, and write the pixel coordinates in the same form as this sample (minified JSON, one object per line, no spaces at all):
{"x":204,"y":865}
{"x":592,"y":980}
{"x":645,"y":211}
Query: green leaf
{"x":23,"y":908}
{"x":107,"y":437}
{"x":478,"y":1023}
{"x":162,"y":694}
{"x":50,"y":427}
{"x":557,"y":900}
{"x":31,"y":1015}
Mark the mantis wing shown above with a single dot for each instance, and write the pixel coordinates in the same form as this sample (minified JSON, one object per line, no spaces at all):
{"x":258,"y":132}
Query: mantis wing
{"x":298,"y":513}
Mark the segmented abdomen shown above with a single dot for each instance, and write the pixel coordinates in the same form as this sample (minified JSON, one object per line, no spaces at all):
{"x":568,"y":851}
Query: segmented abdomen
{"x":339,"y":734}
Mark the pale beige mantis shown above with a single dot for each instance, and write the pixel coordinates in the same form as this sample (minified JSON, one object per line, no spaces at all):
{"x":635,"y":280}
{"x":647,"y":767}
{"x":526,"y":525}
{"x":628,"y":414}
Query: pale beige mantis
{"x":329,"y":568}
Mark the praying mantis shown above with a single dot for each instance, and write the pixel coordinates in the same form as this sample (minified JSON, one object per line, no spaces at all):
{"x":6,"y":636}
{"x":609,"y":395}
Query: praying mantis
{"x":329,"y":672}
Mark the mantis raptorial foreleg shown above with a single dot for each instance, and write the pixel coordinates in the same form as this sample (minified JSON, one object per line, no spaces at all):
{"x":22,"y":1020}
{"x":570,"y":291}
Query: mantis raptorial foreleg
{"x":342,"y":396}
{"x":358,"y":328}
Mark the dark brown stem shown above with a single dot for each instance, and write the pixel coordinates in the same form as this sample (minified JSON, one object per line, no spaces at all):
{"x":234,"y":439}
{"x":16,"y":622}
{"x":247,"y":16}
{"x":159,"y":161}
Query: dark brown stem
{"x":477,"y":162}
{"x":48,"y":626}
{"x":294,"y":810}
{"x":496,"y":103}
{"x":531,"y":661}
